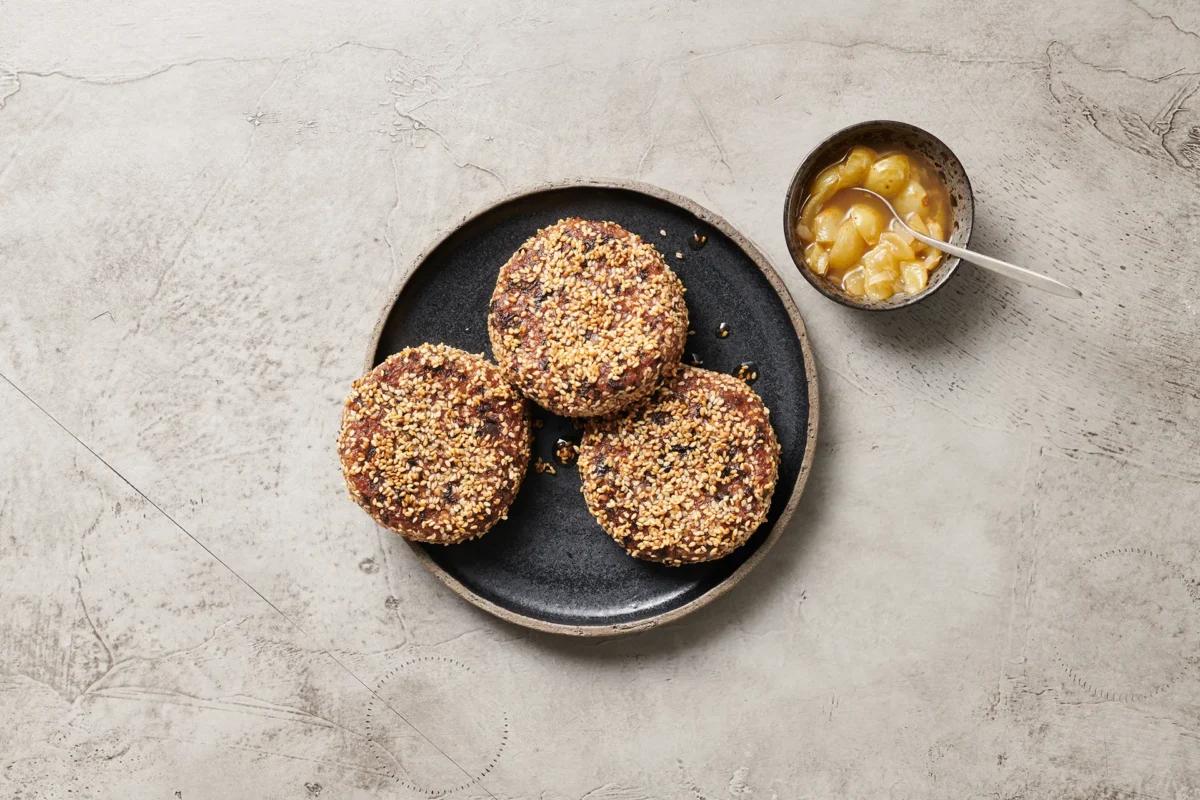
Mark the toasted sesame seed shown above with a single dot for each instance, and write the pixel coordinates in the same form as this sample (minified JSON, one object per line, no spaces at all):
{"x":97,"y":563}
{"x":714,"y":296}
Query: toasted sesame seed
{"x":746,"y":371}
{"x":566,"y":451}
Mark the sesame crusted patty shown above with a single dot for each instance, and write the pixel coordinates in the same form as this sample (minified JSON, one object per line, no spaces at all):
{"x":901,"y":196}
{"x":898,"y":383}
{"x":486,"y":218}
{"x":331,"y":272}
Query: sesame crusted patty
{"x":434,"y":444}
{"x":686,"y":476}
{"x":586,"y":318}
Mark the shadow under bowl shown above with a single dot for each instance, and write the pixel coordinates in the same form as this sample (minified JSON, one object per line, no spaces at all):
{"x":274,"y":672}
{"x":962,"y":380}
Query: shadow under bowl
{"x":882,"y":135}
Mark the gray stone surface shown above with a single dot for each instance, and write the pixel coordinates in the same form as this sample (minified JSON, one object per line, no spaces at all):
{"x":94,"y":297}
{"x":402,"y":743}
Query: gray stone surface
{"x":990,"y":587}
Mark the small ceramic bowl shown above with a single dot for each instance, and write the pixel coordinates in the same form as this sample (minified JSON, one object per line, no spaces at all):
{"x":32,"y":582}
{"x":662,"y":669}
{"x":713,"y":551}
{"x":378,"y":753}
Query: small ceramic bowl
{"x":882,"y":135}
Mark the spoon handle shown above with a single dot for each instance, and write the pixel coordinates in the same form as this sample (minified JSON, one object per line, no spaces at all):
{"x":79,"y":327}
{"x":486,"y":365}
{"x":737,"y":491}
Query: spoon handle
{"x":1026,"y":276}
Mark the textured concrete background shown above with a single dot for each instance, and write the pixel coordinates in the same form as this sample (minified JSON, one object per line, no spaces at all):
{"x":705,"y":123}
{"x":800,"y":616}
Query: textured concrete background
{"x":990,"y":589}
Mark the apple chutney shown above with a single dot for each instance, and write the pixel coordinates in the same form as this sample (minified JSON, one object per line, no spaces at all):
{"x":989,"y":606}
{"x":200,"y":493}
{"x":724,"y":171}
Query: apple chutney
{"x":851,"y":239}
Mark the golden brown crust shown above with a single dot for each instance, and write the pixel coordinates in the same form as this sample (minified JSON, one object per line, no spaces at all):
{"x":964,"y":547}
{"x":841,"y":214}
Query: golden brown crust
{"x":434,"y":444}
{"x":686,"y":476}
{"x":587,"y":318}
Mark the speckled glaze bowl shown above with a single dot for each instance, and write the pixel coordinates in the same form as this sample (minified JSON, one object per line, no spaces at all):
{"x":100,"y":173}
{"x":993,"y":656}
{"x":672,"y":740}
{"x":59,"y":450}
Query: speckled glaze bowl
{"x":882,"y":135}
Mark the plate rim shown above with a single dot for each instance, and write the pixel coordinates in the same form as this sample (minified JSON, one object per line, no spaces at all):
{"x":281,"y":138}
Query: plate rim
{"x":810,"y":369}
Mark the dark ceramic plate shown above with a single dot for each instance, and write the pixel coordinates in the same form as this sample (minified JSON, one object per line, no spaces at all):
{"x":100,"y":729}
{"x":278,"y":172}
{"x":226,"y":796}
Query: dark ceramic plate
{"x":550,"y":566}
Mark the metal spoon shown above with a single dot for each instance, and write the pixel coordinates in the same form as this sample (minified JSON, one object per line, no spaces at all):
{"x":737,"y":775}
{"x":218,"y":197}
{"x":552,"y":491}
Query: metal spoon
{"x":1026,"y":276}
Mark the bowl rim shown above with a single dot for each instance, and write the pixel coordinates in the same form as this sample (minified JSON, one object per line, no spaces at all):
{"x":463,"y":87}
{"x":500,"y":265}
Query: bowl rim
{"x":812,"y":424}
{"x":796,"y":190}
